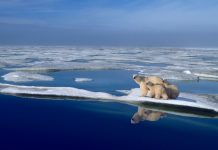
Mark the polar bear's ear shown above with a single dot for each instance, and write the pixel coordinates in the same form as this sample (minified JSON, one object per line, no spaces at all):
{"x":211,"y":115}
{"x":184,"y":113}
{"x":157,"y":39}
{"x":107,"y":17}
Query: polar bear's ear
{"x":134,"y":76}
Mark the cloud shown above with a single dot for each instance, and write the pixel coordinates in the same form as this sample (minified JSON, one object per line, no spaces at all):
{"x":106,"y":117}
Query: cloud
{"x":127,"y":20}
{"x":123,"y":14}
{"x":162,"y":16}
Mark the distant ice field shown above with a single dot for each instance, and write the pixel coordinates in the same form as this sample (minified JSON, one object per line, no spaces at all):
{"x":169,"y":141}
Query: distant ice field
{"x":169,"y":63}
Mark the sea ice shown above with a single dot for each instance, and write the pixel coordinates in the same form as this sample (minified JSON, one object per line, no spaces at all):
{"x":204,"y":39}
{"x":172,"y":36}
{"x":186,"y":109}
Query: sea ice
{"x":169,"y":63}
{"x":25,"y":77}
{"x":184,"y":99}
{"x":207,"y":76}
{"x":187,"y":72}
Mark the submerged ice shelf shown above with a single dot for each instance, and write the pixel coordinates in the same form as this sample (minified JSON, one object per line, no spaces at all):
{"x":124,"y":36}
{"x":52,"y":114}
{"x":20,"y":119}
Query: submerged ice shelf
{"x":82,"y":79}
{"x":25,"y":77}
{"x":169,"y":63}
{"x":185,"y":102}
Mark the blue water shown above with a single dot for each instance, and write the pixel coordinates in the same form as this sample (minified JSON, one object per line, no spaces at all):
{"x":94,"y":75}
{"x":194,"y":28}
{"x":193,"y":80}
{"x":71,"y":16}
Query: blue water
{"x":44,"y":124}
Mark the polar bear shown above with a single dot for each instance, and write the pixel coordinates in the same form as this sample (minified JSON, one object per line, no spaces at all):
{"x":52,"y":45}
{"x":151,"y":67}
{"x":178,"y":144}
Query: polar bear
{"x":157,"y":91}
{"x":142,"y":80}
{"x":172,"y":90}
{"x":145,"y":114}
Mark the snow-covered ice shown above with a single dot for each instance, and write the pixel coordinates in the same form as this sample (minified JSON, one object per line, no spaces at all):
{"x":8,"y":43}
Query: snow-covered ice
{"x":188,"y":100}
{"x":206,"y":76}
{"x":25,"y":77}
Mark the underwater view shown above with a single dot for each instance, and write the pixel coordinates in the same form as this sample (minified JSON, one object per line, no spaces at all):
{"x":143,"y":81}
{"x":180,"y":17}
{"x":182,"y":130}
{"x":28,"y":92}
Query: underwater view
{"x":65,"y":97}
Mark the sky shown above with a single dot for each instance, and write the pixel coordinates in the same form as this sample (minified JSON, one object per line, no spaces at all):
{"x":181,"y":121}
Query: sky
{"x":184,"y":23}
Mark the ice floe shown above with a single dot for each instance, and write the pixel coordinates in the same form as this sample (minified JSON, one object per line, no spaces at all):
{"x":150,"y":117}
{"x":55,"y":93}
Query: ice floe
{"x":187,"y":72}
{"x":169,"y":63}
{"x":25,"y":77}
{"x":82,"y":79}
{"x":185,"y":101}
{"x":206,"y":76}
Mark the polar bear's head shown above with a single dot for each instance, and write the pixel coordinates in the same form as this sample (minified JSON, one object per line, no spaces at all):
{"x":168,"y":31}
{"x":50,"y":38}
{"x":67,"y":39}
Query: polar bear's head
{"x":139,"y":78}
{"x":137,"y":118}
{"x":148,"y":115}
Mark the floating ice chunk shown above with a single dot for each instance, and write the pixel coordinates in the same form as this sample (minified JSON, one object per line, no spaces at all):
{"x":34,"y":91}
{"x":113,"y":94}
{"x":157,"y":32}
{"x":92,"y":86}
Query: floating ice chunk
{"x":187,"y":72}
{"x":82,"y":79}
{"x":206,"y":76}
{"x":25,"y":77}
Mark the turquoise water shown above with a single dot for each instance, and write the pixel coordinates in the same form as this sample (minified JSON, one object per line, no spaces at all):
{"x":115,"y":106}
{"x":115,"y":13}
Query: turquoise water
{"x":44,"y":124}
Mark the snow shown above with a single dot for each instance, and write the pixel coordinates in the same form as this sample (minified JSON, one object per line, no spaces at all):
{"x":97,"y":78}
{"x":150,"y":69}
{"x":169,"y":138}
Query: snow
{"x":82,"y":79}
{"x":184,"y":99}
{"x":169,"y":63}
{"x":25,"y":77}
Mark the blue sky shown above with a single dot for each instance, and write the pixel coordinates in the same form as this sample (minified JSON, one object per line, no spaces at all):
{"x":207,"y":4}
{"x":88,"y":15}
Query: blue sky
{"x":109,"y":22}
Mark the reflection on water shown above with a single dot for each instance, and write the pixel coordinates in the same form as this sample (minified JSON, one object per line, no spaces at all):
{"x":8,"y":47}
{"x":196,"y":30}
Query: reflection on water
{"x":145,"y":114}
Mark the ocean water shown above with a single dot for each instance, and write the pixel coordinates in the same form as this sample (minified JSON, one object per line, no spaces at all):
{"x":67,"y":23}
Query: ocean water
{"x":30,"y":123}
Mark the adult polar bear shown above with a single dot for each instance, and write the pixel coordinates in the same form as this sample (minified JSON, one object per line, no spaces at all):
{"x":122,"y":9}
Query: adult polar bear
{"x":150,"y":86}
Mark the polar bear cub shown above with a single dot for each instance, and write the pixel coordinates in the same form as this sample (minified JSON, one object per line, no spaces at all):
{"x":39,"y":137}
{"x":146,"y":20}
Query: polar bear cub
{"x":156,"y":91}
{"x":172,"y":90}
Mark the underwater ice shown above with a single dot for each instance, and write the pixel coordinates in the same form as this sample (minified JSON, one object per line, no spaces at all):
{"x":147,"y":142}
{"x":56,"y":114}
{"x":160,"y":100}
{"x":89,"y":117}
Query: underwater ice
{"x":169,"y":63}
{"x":133,"y":96}
{"x":25,"y":77}
{"x":82,"y":79}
